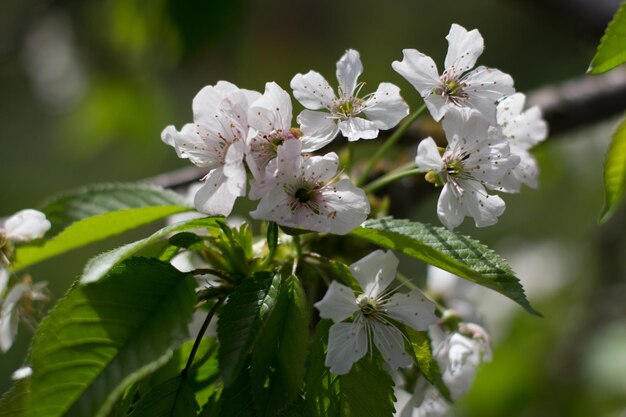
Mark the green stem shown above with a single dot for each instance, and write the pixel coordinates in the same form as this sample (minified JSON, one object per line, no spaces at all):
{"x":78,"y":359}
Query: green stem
{"x":198,"y":340}
{"x":390,"y":177}
{"x":389,"y":143}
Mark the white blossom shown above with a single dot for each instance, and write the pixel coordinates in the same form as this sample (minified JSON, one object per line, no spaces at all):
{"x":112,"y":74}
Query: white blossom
{"x":426,"y":401}
{"x":21,"y":373}
{"x":477,"y":156}
{"x":216,"y":141}
{"x":459,"y":85}
{"x":523,"y":129}
{"x":24,"y":226}
{"x":11,"y":310}
{"x":305,"y":192}
{"x":382,"y":109}
{"x":373,"y":311}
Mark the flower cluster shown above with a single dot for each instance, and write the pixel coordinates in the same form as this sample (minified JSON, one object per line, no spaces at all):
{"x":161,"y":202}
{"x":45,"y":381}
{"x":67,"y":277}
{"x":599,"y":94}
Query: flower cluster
{"x":236,"y":132}
{"x":488,"y":132}
{"x":16,"y":300}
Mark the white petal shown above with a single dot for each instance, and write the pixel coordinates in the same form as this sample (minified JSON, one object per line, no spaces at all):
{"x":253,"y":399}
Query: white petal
{"x":261,"y":185}
{"x":412,"y":309}
{"x":4,"y":280}
{"x":525,"y":129}
{"x":375,"y":272}
{"x":484,"y":208}
{"x":189,"y":145}
{"x":274,"y":206}
{"x":347,"y":209}
{"x":356,"y":128}
{"x":21,"y":373}
{"x":319,"y":129}
{"x":420,"y":70}
{"x":312,"y":90}
{"x":320,"y":168}
{"x":485,"y":86}
{"x":206,"y":103}
{"x":428,"y":156}
{"x":347,"y":343}
{"x":527,"y":170}
{"x":464,"y":48}
{"x":449,"y":208}
{"x":510,"y":107}
{"x":338,"y":303}
{"x":9,"y":316}
{"x":390,"y":343}
{"x":289,"y":158}
{"x":272,"y":111}
{"x":349,"y":68}
{"x":386,"y":107}
{"x":26,"y":225}
{"x":438,"y":105}
{"x":235,"y":170}
{"x":465,"y":123}
{"x":215,"y":197}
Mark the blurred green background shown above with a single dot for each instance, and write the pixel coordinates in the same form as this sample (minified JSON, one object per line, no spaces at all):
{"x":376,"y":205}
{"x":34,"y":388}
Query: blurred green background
{"x":87,"y":86}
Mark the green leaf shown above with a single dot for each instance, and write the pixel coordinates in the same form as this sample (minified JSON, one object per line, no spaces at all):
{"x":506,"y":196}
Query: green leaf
{"x":614,"y":172}
{"x":103,"y":198}
{"x":98,"y":266}
{"x":457,"y":254}
{"x":90,"y":230}
{"x":101,"y":338}
{"x":612,"y":49}
{"x":14,"y":403}
{"x":322,"y":387}
{"x":240,"y":319}
{"x":236,"y":400}
{"x":426,"y":363}
{"x":172,"y":398}
{"x":272,"y":237}
{"x":367,"y":390}
{"x":280,"y":350}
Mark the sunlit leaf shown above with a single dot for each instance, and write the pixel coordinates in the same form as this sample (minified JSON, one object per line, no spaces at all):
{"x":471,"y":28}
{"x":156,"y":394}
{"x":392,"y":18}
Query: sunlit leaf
{"x":455,"y":253}
{"x":615,"y":172}
{"x":367,"y":390}
{"x":102,"y":337}
{"x":427,"y":364}
{"x":612,"y":49}
{"x":98,"y":266}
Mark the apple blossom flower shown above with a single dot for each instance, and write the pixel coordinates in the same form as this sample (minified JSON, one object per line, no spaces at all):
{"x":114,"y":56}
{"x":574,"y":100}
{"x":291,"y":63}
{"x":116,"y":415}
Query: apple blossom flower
{"x":373,"y":312}
{"x":305,"y":192}
{"x":24,"y":226}
{"x":216,"y":141}
{"x":523,"y":129}
{"x":382,"y":109}
{"x":477,"y":156}
{"x":459,"y":85}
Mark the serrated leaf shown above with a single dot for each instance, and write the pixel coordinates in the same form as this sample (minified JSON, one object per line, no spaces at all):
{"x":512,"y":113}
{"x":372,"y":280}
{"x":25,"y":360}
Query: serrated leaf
{"x":90,"y":230}
{"x":172,"y":398}
{"x":427,"y":364}
{"x":97,"y":199}
{"x":240,"y":319}
{"x":236,"y":400}
{"x":614,"y":172}
{"x":280,"y":350}
{"x":15,"y":401}
{"x":102,"y":337}
{"x":100,"y":265}
{"x":367,"y":390}
{"x":440,"y":247}
{"x":612,"y":49}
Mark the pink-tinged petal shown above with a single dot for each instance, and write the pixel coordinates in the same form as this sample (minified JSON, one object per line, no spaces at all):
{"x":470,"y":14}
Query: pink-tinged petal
{"x":386,"y":107}
{"x":206,"y":103}
{"x":428,"y":156}
{"x":484,"y":208}
{"x":347,"y":207}
{"x":419,"y":70}
{"x":312,"y":90}
{"x":272,"y":111}
{"x":464,"y":48}
{"x":484,"y":87}
{"x":390,"y":343}
{"x":412,"y":309}
{"x":356,"y":128}
{"x":338,"y":303}
{"x":319,"y":129}
{"x":375,"y":272}
{"x":349,"y":68}
{"x":347,"y":343}
{"x":215,"y":197}
{"x":26,"y":225}
{"x":449,"y":208}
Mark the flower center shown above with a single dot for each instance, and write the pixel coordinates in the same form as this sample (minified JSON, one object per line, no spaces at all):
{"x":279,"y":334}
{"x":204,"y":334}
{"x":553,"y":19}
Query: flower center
{"x":367,"y":305}
{"x":303,"y":194}
{"x":451,"y":87}
{"x":347,"y":106}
